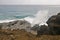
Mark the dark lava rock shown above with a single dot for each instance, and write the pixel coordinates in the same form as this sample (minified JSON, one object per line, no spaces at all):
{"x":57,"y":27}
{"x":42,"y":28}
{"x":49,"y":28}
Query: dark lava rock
{"x":58,"y":19}
{"x":54,"y":24}
{"x":54,"y":21}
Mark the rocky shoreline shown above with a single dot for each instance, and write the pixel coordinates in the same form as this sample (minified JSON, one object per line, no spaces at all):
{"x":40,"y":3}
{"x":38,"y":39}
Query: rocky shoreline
{"x":22,"y":30}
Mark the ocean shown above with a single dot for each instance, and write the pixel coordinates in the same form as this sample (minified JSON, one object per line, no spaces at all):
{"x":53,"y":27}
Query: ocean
{"x":31,"y":13}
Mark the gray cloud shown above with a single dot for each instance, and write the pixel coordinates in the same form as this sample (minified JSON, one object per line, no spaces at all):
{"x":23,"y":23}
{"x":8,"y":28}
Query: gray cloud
{"x":43,"y":2}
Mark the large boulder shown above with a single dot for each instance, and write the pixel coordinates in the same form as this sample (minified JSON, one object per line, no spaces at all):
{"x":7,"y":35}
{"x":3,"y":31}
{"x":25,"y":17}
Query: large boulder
{"x":54,"y":24}
{"x":54,"y":21}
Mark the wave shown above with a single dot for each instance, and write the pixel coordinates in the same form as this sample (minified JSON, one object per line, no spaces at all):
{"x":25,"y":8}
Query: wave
{"x":29,"y":19}
{"x":6,"y":21}
{"x":39,"y":18}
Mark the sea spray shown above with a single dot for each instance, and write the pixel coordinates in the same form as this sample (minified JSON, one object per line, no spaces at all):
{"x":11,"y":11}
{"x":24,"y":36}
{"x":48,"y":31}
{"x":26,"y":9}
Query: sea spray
{"x":40,"y":18}
{"x":39,"y":25}
{"x":29,"y":19}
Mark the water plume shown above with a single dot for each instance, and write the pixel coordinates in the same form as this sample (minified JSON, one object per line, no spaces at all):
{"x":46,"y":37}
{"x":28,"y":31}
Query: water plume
{"x":40,"y":18}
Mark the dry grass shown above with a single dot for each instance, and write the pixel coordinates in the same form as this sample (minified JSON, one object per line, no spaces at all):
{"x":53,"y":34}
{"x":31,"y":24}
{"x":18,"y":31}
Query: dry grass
{"x":23,"y":35}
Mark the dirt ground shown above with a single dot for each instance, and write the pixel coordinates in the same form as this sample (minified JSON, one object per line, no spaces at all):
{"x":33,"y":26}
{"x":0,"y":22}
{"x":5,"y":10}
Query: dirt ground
{"x":23,"y":35}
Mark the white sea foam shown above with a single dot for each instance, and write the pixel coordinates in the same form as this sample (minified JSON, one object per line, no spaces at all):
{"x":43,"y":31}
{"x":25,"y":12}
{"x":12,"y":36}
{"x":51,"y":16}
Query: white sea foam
{"x":6,"y":21}
{"x":29,"y":19}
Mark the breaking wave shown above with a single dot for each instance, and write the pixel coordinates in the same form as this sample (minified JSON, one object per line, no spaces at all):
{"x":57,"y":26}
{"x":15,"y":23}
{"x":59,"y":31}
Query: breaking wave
{"x":39,"y":18}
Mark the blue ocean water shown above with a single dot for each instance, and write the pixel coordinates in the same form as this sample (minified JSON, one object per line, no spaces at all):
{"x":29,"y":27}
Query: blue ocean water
{"x":22,"y":11}
{"x":16,"y":11}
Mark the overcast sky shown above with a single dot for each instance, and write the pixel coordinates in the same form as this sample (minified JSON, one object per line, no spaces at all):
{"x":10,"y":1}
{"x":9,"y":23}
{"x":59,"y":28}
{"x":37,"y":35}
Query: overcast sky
{"x":33,"y":2}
